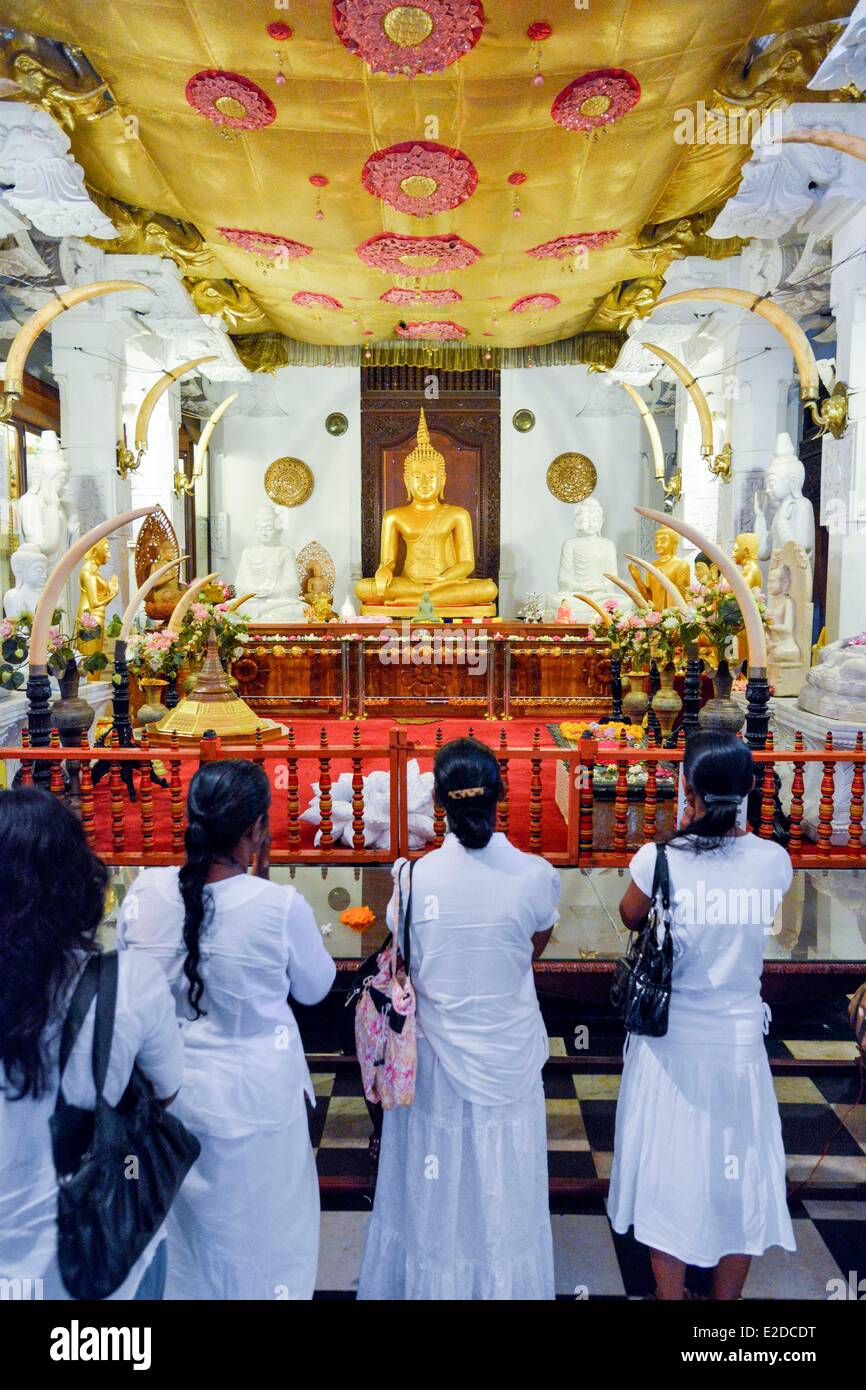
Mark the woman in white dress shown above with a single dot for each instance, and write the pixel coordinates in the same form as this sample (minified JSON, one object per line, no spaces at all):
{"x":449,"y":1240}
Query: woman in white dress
{"x":461,"y":1209}
{"x":699,"y":1165}
{"x":51,"y":903}
{"x":245,"y":1224}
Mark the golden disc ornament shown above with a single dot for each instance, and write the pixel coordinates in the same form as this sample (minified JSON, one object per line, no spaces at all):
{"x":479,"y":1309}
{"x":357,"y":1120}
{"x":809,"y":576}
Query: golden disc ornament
{"x":571,"y":477}
{"x":288,"y":482}
{"x":523,"y":421}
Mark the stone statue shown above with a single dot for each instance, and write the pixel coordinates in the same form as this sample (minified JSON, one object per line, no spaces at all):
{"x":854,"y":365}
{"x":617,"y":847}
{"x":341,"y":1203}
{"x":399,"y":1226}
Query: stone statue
{"x":789,"y":613}
{"x":794,"y":519}
{"x":836,"y":687}
{"x":745,"y":553}
{"x":46,"y":518}
{"x":30,"y":568}
{"x":584,"y":560}
{"x":440,"y":554}
{"x":96,"y":595}
{"x":269,"y":571}
{"x":667,"y":560}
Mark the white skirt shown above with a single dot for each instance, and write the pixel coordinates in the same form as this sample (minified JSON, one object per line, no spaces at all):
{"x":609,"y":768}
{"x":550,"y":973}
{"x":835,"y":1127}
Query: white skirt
{"x":245,"y":1224}
{"x":461,"y":1208}
{"x":699,"y":1164}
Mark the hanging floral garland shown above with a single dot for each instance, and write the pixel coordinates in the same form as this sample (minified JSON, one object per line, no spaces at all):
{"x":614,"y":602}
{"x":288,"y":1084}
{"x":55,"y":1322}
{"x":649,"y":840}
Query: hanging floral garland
{"x":419,"y":296}
{"x":230,"y":100}
{"x":534,"y":301}
{"x":405,"y":40}
{"x":434,"y":328}
{"x":420,"y":178}
{"x":273,"y":248}
{"x":562,"y":246}
{"x":596,"y":99}
{"x":310,"y":300}
{"x":416,"y":255}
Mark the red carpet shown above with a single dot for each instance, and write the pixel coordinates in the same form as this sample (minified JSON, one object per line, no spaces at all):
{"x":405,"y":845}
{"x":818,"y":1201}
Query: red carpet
{"x":374,"y":733}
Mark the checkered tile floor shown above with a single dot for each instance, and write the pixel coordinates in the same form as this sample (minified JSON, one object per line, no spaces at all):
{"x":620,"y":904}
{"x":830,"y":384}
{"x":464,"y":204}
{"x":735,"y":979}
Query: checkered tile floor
{"x":591,"y":1260}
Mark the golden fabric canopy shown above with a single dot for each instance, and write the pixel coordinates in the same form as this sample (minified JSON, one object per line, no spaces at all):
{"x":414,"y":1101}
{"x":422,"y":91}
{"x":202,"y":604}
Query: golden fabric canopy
{"x":480,"y":122}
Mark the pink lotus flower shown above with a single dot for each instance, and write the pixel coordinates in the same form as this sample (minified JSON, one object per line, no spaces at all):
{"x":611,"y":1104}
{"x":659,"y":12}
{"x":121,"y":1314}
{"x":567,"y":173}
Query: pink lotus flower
{"x":222,"y":608}
{"x":652,"y":618}
{"x":88,"y":621}
{"x":610,"y":605}
{"x":5,"y":629}
{"x":200,"y":612}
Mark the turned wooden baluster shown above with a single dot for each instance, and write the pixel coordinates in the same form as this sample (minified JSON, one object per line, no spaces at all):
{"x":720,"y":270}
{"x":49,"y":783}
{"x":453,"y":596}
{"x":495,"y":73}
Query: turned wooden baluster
{"x":825,"y":808}
{"x":620,"y":805}
{"x":115,"y":793}
{"x":855,"y":823}
{"x":535,"y":795}
{"x":768,"y":795}
{"x":502,"y":807}
{"x":175,"y":793}
{"x":26,"y":763}
{"x":795,"y":841}
{"x":145,"y":795}
{"x":294,"y":825}
{"x":358,"y":840}
{"x":650,"y":805}
{"x":85,"y":787}
{"x":55,"y":783}
{"x":588,"y":747}
{"x":439,"y":822}
{"x":326,"y":837}
{"x":259,"y":751}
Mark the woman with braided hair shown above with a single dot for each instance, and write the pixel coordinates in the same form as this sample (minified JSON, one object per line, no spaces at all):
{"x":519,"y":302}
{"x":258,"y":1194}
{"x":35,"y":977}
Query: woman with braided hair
{"x":245,"y":1224}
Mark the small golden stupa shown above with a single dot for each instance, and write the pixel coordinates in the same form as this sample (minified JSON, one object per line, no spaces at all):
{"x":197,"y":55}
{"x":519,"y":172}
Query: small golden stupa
{"x":213,"y":705}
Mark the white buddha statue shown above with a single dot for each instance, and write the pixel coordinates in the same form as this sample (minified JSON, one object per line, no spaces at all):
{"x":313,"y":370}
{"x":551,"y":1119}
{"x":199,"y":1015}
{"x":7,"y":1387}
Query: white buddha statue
{"x":269,"y":571}
{"x":46,"y":518}
{"x":781,"y":615}
{"x":835,"y":686}
{"x":583,"y":562}
{"x":30,"y":568}
{"x":794,"y":519}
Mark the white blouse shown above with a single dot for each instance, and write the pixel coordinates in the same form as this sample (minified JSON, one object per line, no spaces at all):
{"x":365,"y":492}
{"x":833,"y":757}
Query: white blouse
{"x":474,"y":914}
{"x":244,"y":1066}
{"x":146,"y":1032}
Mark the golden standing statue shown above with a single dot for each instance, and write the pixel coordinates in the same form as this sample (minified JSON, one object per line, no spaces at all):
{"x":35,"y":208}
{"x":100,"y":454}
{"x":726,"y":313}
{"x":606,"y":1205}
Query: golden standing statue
{"x":96,"y":595}
{"x":667,"y":560}
{"x":440,"y":555}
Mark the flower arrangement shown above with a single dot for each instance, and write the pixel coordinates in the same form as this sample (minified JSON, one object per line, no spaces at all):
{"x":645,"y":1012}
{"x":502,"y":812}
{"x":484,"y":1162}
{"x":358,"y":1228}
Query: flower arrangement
{"x":605,"y":731}
{"x":62,"y":647}
{"x":154,"y":653}
{"x":212,"y":612}
{"x":719,"y":617}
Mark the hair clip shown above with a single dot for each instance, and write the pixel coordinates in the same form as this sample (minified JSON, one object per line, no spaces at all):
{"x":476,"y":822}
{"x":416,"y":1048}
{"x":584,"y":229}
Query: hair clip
{"x":460,"y":792}
{"x":721,"y":799}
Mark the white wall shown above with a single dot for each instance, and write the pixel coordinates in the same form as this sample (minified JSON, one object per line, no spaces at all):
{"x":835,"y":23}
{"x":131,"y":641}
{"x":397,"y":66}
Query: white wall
{"x":567,"y":403}
{"x":247,"y":444}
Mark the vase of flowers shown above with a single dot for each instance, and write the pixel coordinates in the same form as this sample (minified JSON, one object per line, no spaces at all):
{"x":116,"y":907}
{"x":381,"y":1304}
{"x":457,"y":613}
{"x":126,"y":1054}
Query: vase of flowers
{"x":213,"y":613}
{"x":154,"y":658}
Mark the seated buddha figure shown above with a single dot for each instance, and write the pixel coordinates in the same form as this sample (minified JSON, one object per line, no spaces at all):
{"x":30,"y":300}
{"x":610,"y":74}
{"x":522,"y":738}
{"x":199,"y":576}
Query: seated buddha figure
{"x":440,"y":555}
{"x":165,"y":596}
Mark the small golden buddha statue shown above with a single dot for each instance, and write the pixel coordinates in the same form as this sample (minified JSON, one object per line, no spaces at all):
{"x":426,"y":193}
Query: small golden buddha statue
{"x":440,"y":554}
{"x":162,"y":601}
{"x":745,"y":553}
{"x":96,"y":595}
{"x":677,"y":570}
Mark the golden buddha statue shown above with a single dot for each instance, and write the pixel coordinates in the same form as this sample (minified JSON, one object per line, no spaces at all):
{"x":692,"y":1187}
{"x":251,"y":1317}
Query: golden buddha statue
{"x":745,"y":553}
{"x":440,"y":555}
{"x":163,"y":599}
{"x":96,"y":595}
{"x":676,"y":570}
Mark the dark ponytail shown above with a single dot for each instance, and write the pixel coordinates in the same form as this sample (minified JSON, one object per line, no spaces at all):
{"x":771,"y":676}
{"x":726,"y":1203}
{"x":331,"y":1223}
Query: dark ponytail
{"x":468,"y":786}
{"x":720,"y":769}
{"x":224,"y":800}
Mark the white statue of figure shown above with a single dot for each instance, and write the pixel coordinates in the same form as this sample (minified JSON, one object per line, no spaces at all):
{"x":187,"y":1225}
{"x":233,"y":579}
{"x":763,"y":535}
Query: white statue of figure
{"x":30,"y":569}
{"x":794,"y":519}
{"x":835,"y":687}
{"x":780,"y":613}
{"x":269,"y":570}
{"x":46,"y":518}
{"x":583,"y":562}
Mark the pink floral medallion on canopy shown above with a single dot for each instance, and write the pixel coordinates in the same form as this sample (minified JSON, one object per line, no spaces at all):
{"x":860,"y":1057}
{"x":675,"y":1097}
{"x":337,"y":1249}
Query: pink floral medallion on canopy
{"x":420,"y":178}
{"x":434,"y":328}
{"x":563,"y":246}
{"x":534,"y":301}
{"x":398,"y":296}
{"x":308,"y":299}
{"x":405,"y":40}
{"x":228,"y":99}
{"x":596,"y":99}
{"x":275,"y":248}
{"x":417,"y":255}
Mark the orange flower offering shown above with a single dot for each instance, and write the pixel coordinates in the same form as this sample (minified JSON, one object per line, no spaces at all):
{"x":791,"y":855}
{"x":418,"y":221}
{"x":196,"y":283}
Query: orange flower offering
{"x":358,"y":918}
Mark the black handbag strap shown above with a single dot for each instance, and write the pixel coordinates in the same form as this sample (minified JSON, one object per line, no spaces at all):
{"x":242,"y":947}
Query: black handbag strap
{"x":662,"y":878}
{"x":99,"y":980}
{"x":404,"y":916}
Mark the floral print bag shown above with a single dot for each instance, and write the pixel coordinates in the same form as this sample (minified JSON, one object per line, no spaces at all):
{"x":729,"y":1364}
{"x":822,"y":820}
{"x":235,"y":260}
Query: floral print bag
{"x":385,"y":1037}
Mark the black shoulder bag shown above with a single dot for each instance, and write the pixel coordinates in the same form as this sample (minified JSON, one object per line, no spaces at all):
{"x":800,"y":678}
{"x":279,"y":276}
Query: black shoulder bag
{"x":108,"y":1210}
{"x":641,"y":988}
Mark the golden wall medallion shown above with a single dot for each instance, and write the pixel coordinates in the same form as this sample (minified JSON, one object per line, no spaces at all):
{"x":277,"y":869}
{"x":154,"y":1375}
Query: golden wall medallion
{"x":571,"y":477}
{"x":288,"y":482}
